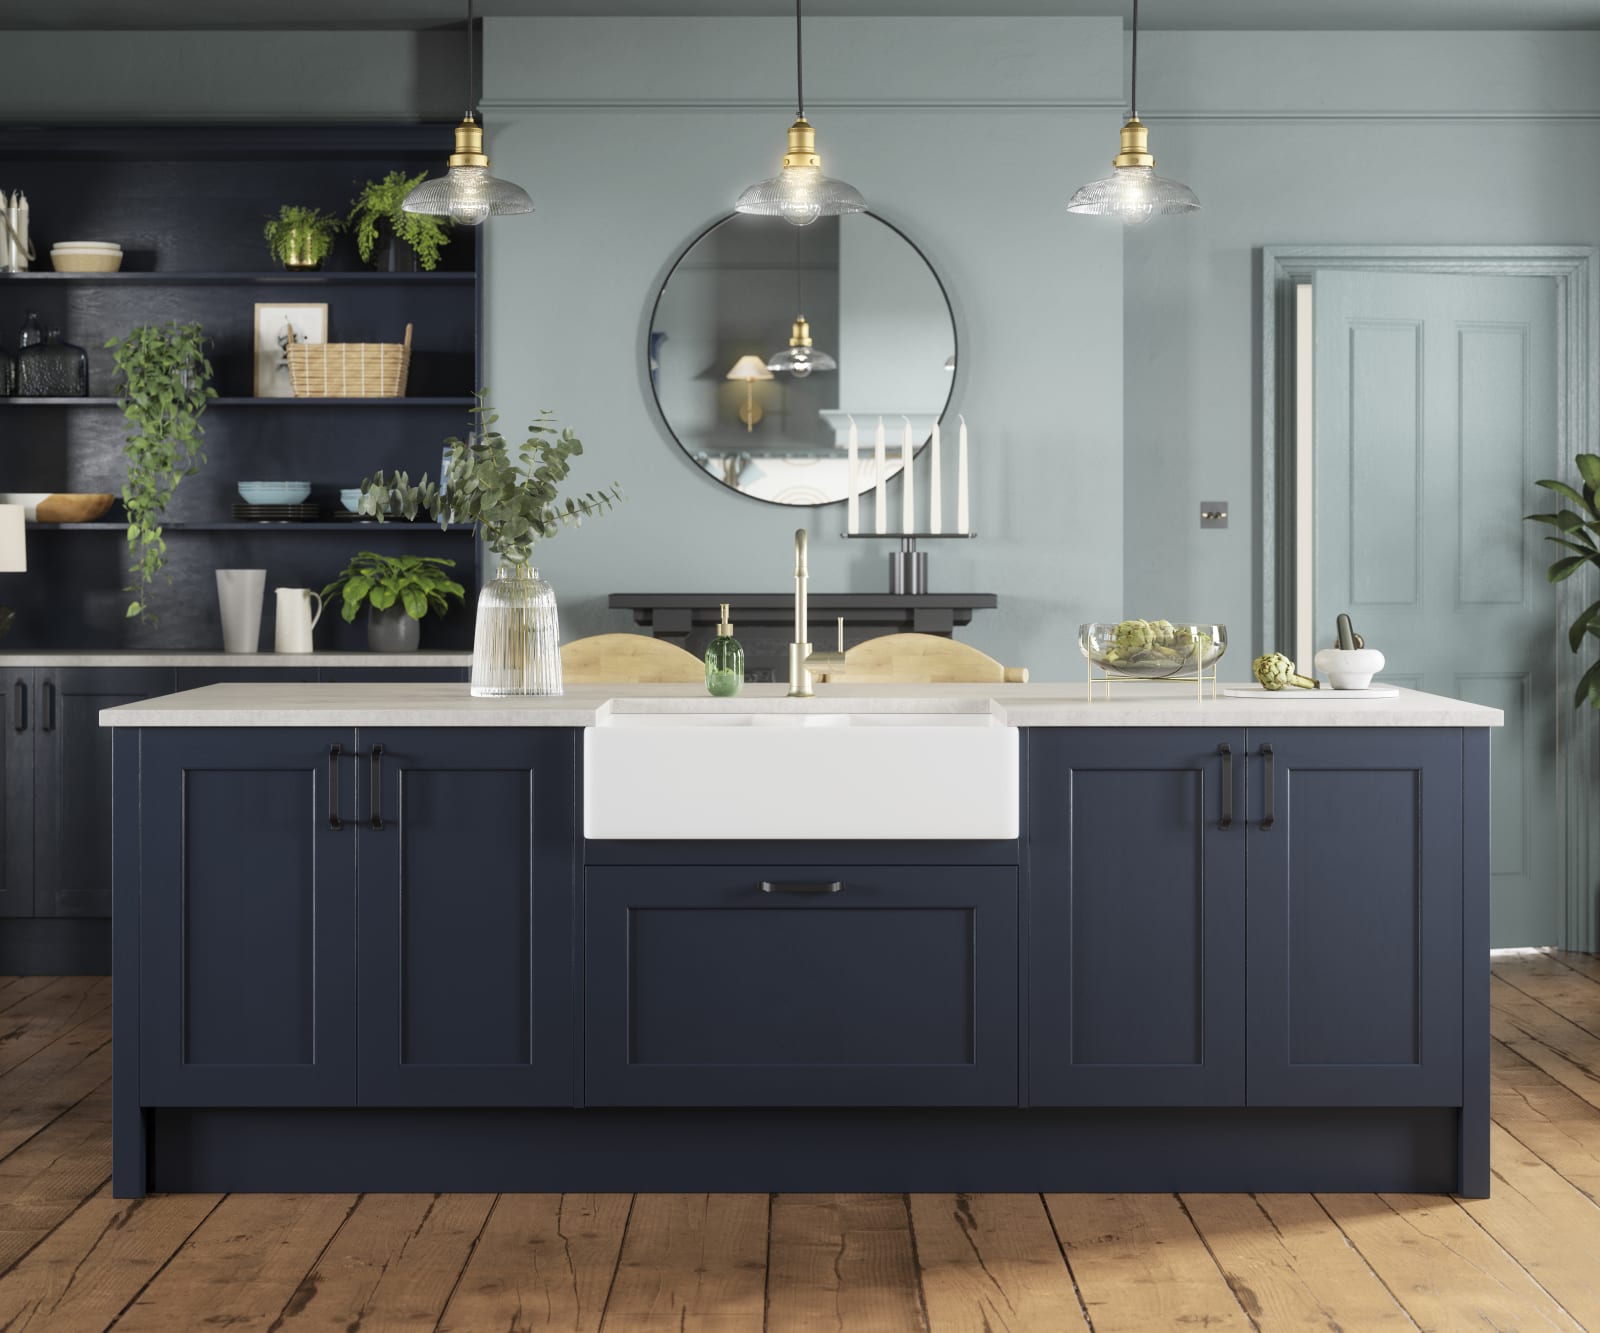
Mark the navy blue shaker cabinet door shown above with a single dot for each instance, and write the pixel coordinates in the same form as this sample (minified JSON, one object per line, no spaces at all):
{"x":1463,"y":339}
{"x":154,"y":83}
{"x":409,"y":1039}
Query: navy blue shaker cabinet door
{"x":1136,"y":917}
{"x":801,"y":985}
{"x":1355,"y":883}
{"x":247,"y":918}
{"x":466,"y":894}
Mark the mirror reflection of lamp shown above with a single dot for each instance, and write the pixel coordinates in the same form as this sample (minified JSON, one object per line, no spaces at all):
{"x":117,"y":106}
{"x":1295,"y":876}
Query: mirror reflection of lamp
{"x":747,"y":370}
{"x":13,"y":552}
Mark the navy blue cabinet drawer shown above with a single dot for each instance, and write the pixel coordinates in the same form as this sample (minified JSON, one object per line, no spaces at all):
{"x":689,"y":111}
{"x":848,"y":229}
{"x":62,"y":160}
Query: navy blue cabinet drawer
{"x":821,"y":985}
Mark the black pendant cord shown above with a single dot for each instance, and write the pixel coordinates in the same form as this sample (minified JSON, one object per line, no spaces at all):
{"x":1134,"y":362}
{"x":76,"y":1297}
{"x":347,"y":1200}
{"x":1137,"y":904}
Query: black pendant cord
{"x":472,"y":66}
{"x":1133,"y":88}
{"x":799,"y":65}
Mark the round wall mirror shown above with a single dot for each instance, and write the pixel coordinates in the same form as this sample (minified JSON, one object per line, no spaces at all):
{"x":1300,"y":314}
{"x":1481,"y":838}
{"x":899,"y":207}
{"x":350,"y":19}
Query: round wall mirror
{"x":766,"y":339}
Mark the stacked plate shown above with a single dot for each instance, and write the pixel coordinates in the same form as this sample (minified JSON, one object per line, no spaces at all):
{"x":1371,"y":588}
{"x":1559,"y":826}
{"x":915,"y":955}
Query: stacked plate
{"x":86,"y":256}
{"x":298,"y":513}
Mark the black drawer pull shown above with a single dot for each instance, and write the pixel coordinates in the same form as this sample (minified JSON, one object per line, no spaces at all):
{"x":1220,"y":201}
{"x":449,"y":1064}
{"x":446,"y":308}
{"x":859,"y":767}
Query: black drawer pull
{"x":19,"y":706}
{"x":49,"y":706}
{"x":1226,"y":751}
{"x":801,"y":886}
{"x":1267,"y":793}
{"x":377,"y":789}
{"x":334,"y":751}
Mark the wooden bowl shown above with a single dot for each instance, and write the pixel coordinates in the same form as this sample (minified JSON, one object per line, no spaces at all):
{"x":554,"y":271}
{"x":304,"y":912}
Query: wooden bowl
{"x":85,"y":261}
{"x":74,"y":508}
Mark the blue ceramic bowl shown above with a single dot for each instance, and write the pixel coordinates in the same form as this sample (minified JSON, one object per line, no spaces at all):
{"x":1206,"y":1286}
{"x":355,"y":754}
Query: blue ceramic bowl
{"x":351,"y":498}
{"x":274,"y":492}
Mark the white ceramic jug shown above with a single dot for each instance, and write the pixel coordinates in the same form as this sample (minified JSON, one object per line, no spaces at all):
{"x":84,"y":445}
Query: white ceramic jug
{"x":296,"y":620}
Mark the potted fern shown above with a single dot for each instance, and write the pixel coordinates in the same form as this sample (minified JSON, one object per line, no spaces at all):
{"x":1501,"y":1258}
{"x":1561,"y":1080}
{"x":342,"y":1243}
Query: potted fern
{"x":513,"y":499}
{"x":301,"y":238}
{"x":1576,"y":532}
{"x":398,"y":592}
{"x":397,"y":241}
{"x":166,"y":384}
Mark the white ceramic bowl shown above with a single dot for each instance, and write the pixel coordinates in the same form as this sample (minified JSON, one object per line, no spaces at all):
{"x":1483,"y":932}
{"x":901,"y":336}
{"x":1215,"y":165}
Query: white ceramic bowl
{"x":1349,"y":668}
{"x":86,"y":261}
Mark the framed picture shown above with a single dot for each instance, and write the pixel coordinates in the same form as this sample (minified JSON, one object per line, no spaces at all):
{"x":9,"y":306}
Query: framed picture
{"x":278,"y":325}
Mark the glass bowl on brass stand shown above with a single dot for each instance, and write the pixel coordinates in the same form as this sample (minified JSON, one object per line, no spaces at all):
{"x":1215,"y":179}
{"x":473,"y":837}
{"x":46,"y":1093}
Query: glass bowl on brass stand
{"x":1146,"y":652}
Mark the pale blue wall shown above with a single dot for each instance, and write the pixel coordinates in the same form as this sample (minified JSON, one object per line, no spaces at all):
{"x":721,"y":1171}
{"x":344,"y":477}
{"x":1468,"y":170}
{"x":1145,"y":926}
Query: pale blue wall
{"x":633,"y":134}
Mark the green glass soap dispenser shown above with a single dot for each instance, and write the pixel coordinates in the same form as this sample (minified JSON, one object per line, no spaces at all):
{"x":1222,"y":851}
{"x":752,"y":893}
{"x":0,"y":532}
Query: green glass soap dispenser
{"x":724,"y":660}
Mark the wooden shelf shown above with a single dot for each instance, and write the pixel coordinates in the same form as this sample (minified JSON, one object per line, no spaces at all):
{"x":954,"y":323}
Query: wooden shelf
{"x":465,"y":400}
{"x":287,"y":526}
{"x":276,"y":278}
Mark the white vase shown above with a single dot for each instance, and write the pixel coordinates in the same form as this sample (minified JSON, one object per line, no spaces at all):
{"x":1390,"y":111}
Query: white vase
{"x":516,"y":649}
{"x":239,"y":594}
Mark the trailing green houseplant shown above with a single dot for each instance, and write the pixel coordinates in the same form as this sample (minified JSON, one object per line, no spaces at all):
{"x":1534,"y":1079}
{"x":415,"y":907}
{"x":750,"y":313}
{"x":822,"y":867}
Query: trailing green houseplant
{"x":1576,"y":532}
{"x":379,"y":205}
{"x":166,"y":384}
{"x":394,"y":589}
{"x":301,"y":238}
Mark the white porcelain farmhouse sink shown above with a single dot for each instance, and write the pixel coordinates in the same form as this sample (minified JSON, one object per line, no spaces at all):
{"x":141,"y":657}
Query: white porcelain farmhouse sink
{"x":800,"y":776}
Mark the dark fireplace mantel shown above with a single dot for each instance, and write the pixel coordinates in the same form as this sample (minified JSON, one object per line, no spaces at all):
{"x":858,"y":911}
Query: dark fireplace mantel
{"x":764,"y":622}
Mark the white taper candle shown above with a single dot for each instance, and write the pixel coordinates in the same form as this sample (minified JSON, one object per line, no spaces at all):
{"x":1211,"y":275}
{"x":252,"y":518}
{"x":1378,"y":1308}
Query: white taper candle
{"x":852,"y":481}
{"x":935,"y":485}
{"x":880,"y":465}
{"x":963,"y":516}
{"x":908,"y":480}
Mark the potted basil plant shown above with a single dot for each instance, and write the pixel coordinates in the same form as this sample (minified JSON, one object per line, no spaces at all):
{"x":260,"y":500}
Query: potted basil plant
{"x":398,"y":592}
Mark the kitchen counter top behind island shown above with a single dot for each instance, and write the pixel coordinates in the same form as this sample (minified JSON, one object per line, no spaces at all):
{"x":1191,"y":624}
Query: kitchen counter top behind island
{"x":380,"y":704}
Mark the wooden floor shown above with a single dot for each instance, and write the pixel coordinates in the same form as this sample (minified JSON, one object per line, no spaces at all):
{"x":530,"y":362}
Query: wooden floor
{"x":73,"y":1258}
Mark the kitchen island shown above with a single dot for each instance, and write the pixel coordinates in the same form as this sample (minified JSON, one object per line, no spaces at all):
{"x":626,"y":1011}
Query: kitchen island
{"x":364,"y":943}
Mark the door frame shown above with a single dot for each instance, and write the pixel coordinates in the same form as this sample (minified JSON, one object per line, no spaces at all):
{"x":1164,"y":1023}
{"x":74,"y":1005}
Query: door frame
{"x":1575,"y":270}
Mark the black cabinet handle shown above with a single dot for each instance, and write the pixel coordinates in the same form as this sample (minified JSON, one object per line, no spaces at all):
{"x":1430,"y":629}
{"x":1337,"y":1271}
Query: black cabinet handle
{"x":19,"y":705}
{"x":334,"y":751}
{"x":1226,"y":751}
{"x":376,"y":822}
{"x":1267,"y":794}
{"x":49,"y":723}
{"x":802,"y":886}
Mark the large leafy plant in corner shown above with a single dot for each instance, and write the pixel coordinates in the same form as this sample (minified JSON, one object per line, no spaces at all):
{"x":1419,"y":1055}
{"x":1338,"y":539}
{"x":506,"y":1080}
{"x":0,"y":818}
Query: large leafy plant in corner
{"x":166,"y":384}
{"x":1576,"y":531}
{"x":512,"y":498}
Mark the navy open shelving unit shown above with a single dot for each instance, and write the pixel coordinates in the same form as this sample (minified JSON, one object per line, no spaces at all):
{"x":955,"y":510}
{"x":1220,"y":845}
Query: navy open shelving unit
{"x":188,"y":204}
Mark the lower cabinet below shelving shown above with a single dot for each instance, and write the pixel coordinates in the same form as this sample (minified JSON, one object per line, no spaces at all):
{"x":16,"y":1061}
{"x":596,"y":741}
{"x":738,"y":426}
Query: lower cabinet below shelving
{"x":769,"y":986}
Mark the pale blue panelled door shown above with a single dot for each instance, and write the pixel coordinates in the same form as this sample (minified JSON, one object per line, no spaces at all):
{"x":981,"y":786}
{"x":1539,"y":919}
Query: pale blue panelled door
{"x":1435,"y":412}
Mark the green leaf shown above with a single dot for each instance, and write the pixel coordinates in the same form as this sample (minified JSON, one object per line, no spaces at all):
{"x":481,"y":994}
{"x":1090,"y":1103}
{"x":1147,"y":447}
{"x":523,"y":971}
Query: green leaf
{"x":1588,"y":688}
{"x":1565,"y":569}
{"x":1589,"y":469}
{"x":416,"y":603}
{"x":1587,"y":620}
{"x":1585,"y":548}
{"x":382,"y":598}
{"x":1561,"y":488}
{"x":1564,"y":519}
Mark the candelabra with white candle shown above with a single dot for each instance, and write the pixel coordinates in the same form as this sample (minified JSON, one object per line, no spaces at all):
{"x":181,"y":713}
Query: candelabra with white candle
{"x":880,"y":478}
{"x":853,"y":482}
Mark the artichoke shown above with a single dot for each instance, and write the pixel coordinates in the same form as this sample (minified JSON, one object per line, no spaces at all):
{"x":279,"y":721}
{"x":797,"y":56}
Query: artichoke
{"x":1190,"y":643}
{"x":1161,"y":633}
{"x":1132,"y":638}
{"x":1276,"y":672}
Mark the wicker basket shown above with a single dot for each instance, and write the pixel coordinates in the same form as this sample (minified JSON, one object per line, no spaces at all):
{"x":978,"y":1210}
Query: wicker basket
{"x":350,"y":370}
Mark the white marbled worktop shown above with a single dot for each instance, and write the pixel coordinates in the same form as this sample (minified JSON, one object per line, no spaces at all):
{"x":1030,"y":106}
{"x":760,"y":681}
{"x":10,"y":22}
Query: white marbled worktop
{"x":380,"y":704}
{"x":136,"y":657}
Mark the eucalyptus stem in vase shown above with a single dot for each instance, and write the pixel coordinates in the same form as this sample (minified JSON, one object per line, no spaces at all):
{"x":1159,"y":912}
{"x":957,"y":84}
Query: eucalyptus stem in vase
{"x":513,"y":500}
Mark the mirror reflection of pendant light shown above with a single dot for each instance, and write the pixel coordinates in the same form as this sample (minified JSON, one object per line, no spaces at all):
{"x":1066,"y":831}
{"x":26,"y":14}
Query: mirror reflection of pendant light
{"x":800,"y":193}
{"x":467,"y":194}
{"x":1133,"y":191}
{"x":800,"y":357}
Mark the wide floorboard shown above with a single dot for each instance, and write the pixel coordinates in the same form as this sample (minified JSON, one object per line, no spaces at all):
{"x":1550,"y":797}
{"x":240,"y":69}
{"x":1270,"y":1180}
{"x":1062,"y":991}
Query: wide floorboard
{"x":73,"y":1258}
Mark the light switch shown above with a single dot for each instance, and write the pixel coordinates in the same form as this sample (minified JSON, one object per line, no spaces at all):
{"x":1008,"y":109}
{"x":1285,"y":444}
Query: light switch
{"x":1213,"y":513}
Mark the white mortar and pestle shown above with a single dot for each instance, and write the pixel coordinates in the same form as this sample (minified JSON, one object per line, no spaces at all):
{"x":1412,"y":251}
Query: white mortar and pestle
{"x":1352,"y":665}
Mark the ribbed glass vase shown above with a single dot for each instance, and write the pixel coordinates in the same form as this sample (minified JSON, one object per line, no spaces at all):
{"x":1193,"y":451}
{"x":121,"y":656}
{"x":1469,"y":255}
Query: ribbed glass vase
{"x":517,"y":646}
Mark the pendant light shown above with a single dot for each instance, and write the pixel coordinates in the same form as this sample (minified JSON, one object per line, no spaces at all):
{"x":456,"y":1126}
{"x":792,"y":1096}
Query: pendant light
{"x":800,"y":357}
{"x":800,"y":193}
{"x":1133,"y":191}
{"x":467,"y":194}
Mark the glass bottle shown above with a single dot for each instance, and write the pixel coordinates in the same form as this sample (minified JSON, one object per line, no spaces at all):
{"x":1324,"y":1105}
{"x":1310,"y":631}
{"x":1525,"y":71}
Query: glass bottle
{"x":724,"y":660}
{"x":53,"y":370}
{"x":516,"y":648}
{"x":32,"y":334}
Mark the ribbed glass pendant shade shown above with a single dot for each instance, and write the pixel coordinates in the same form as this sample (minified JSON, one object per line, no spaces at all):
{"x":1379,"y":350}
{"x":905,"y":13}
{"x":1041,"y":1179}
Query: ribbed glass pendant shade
{"x":467,"y":196}
{"x":801,"y":361}
{"x":1133,"y":194}
{"x":801,"y":195}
